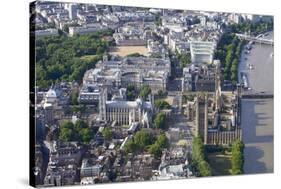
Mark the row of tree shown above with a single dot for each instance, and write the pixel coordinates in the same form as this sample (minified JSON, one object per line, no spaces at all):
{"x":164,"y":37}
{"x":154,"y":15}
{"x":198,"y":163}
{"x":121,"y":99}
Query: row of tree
{"x":201,"y":166}
{"x":61,"y":57}
{"x":228,"y":52}
{"x":232,"y":59}
{"x":237,"y":157}
{"x":74,"y":132}
{"x":145,"y":141}
{"x":252,"y":28}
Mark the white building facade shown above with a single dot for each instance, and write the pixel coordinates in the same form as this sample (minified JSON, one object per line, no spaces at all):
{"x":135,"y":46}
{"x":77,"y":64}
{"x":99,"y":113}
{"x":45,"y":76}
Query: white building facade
{"x":202,"y":51}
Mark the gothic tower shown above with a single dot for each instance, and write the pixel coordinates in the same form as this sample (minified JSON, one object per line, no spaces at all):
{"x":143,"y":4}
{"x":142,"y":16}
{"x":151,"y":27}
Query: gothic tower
{"x":102,"y":103}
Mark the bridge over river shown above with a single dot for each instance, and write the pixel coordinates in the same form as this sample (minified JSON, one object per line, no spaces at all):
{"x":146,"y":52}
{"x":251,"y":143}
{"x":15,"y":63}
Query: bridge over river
{"x":255,"y":39}
{"x":256,"y":95}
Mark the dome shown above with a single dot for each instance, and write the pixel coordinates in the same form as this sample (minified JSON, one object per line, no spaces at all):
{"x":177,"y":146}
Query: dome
{"x":139,"y":101}
{"x":51,"y":94}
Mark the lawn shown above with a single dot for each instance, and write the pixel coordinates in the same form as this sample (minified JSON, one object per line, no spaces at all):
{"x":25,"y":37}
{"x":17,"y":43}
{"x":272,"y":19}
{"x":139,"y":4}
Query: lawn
{"x":220,"y":163}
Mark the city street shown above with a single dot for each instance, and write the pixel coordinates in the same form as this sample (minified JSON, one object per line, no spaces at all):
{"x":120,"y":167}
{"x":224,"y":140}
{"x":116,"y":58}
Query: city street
{"x":180,"y":121}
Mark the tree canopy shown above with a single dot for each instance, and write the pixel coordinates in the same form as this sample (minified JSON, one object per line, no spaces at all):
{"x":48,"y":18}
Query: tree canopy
{"x":107,"y":133}
{"x":162,"y":94}
{"x":198,"y":158}
{"x":132,"y":92}
{"x":228,"y":52}
{"x":61,"y":57}
{"x":160,"y":121}
{"x":145,"y":141}
{"x":237,"y":158}
{"x":156,"y":148}
{"x":74,"y":98}
{"x":184,"y":59}
{"x":161,"y":104}
{"x":140,"y":141}
{"x":130,"y":147}
{"x":75,"y":132}
{"x":254,"y":28}
{"x":162,"y":141}
{"x":145,"y":91}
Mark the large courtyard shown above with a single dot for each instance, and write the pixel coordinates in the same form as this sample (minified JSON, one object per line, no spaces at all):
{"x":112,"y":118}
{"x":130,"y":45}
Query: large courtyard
{"x":126,"y":50}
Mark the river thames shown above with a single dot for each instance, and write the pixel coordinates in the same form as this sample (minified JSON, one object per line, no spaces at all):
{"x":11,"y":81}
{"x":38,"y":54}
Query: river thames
{"x":257,"y":114}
